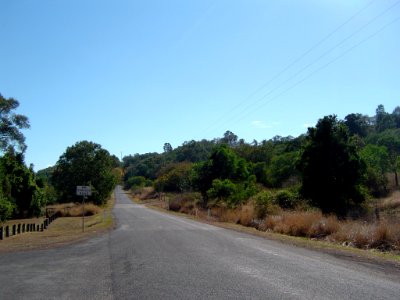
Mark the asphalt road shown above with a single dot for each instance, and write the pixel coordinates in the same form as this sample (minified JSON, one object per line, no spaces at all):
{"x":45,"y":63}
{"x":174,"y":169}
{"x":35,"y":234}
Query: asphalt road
{"x":152,"y":255}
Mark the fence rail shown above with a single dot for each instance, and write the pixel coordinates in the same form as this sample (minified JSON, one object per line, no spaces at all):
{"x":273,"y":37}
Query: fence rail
{"x":10,"y":230}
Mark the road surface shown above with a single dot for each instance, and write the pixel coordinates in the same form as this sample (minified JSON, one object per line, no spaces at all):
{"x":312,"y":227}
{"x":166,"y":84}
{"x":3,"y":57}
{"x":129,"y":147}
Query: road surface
{"x":152,"y":255}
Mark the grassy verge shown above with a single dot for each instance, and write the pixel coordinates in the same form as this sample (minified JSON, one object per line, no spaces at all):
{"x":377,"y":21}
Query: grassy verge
{"x":62,"y":231}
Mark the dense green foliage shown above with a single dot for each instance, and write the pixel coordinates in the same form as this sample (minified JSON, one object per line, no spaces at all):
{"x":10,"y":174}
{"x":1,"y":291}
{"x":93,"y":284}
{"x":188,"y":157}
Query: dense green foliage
{"x":337,"y":164}
{"x":10,"y":125}
{"x":22,"y":194}
{"x":85,"y":163}
{"x":330,"y":167}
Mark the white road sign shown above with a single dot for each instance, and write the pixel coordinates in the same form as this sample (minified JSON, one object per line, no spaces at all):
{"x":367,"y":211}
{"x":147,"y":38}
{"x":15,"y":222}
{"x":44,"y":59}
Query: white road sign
{"x":82,"y":190}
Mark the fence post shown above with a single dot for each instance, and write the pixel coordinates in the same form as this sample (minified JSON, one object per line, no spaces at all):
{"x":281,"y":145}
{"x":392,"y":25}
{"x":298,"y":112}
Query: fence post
{"x":7,"y":231}
{"x":14,"y":229}
{"x":1,"y":233}
{"x":19,"y":228}
{"x":37,"y":227}
{"x":33,"y":227}
{"x":23,"y":228}
{"x":41,"y":227}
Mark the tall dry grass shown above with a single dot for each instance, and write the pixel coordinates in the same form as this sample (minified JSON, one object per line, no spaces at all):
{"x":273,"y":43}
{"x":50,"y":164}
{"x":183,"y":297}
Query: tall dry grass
{"x":301,"y":223}
{"x":244,"y":215}
{"x":380,"y":235}
{"x":313,"y":224}
{"x":75,"y":210}
{"x":391,"y":202}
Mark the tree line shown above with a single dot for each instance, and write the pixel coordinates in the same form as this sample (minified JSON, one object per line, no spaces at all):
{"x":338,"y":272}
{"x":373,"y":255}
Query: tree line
{"x":335,"y":166}
{"x":24,"y":193}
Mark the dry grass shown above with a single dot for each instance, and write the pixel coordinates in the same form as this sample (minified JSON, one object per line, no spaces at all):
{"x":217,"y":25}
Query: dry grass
{"x":75,"y":210}
{"x":243,"y":215}
{"x":145,"y":193}
{"x":304,"y":223}
{"x":62,"y":231}
{"x":390,"y":203}
{"x":380,"y":235}
{"x":312,"y":224}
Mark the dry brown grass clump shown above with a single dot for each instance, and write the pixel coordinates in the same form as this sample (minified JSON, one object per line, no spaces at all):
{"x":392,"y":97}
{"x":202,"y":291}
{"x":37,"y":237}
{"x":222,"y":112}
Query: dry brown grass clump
{"x":184,"y":203}
{"x":380,"y":235}
{"x":75,"y":210}
{"x":145,"y":193}
{"x":243,"y":215}
{"x":301,"y":223}
{"x":391,"y":202}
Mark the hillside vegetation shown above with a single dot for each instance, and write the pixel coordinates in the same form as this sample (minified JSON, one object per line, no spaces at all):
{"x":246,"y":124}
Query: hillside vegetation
{"x":312,"y":185}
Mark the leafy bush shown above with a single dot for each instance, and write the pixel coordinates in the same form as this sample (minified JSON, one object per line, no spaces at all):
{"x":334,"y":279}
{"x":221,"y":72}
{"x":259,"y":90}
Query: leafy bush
{"x":221,"y":189}
{"x":175,"y":178}
{"x":135,"y":182}
{"x":263,"y":204}
{"x":230,"y":193}
{"x":6,"y":209}
{"x":286,"y":198}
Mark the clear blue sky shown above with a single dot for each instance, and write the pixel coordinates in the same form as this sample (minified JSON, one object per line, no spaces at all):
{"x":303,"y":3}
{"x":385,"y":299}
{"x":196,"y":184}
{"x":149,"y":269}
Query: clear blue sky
{"x":132,"y":75}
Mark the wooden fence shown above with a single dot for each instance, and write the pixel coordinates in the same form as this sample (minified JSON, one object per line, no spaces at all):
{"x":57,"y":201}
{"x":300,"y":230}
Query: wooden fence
{"x":10,"y":230}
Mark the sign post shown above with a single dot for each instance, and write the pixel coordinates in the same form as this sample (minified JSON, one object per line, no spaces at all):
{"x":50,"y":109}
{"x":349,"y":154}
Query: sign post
{"x":84,"y":191}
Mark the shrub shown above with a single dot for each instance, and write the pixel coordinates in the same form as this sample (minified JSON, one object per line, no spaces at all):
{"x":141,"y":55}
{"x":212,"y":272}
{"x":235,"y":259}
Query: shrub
{"x":286,"y":198}
{"x":135,"y":182}
{"x":263,"y":204}
{"x":6,"y":209}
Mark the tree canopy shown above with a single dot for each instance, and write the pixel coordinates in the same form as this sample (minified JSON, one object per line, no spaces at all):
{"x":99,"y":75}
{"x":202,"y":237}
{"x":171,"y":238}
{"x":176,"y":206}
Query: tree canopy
{"x":11,"y":124}
{"x":85,"y":163}
{"x":331,"y":168}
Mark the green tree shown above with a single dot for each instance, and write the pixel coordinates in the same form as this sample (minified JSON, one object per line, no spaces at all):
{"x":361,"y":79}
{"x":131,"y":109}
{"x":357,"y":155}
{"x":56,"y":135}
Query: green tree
{"x":391,"y":140}
{"x":175,"y":178}
{"x":11,"y":124}
{"x":85,"y":163}
{"x":377,"y":161}
{"x":135,"y":182}
{"x":167,"y":148}
{"x":282,"y":168}
{"x":357,"y":124}
{"x":230,"y":139}
{"x":396,"y":116}
{"x":146,"y":165}
{"x":331,"y":168}
{"x":222,"y":164}
{"x":19,"y":186}
{"x":384,"y":120}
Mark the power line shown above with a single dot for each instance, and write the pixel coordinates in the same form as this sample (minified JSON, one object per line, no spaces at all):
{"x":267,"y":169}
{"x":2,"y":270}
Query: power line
{"x":361,"y":28}
{"x":295,"y":61}
{"x":325,"y":65}
{"x":319,"y":58}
